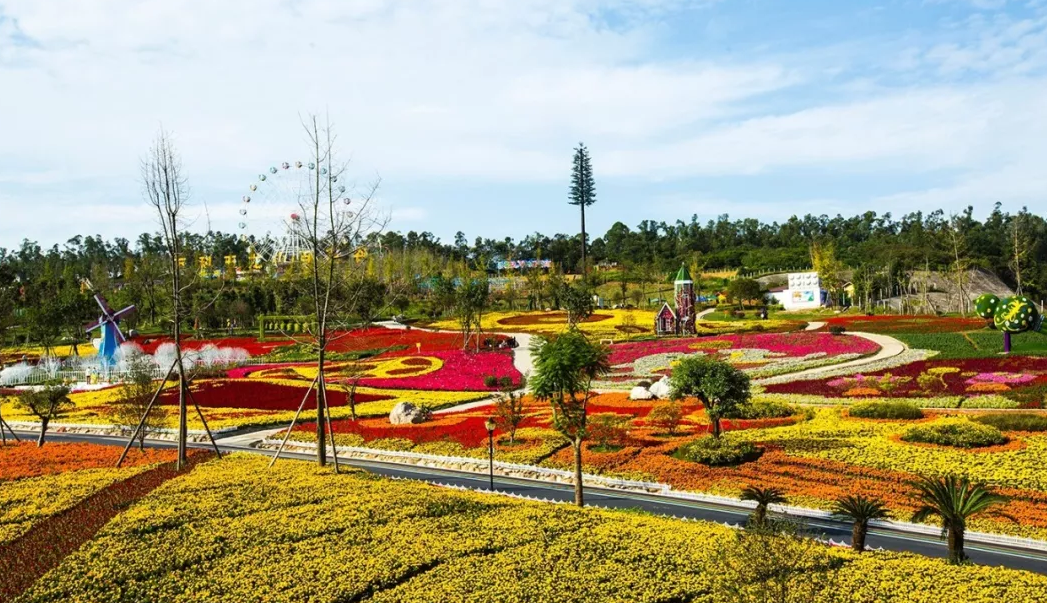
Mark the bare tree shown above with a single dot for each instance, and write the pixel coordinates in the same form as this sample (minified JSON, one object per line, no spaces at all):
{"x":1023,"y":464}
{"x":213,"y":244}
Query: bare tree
{"x":167,"y":191}
{"x":334,"y":221}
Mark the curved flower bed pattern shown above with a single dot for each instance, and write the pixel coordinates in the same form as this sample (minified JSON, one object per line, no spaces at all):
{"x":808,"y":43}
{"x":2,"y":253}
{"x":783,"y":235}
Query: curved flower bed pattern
{"x":1021,"y":379}
{"x":759,"y":354}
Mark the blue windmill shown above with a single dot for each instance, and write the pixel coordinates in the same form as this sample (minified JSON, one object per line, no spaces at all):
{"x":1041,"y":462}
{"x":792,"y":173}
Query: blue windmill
{"x":112,"y":336}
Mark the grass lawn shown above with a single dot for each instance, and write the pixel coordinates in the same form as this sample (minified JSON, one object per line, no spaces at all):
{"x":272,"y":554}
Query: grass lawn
{"x":975,"y":344}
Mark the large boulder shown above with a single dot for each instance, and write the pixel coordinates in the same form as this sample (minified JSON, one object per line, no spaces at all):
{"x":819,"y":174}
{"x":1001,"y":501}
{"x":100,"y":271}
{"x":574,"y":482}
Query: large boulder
{"x":660,"y":389}
{"x":405,"y":413}
{"x":640,"y":393}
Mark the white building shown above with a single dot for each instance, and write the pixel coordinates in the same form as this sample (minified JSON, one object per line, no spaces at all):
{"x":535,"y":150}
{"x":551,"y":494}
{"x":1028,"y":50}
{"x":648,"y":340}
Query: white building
{"x":803,"y":292}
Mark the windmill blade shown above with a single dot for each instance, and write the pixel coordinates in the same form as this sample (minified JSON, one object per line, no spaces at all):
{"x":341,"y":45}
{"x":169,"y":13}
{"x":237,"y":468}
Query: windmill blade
{"x":103,"y":304}
{"x":129,"y":310}
{"x":93,"y":326}
{"x":119,"y":334}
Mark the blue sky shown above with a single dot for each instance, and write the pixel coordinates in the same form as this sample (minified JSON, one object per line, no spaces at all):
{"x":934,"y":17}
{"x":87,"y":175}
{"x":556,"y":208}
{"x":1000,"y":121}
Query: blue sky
{"x":468,"y":110}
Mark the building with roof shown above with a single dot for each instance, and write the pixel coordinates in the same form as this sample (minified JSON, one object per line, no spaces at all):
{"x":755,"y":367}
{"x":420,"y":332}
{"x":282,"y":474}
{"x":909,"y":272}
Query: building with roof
{"x":678,"y":320}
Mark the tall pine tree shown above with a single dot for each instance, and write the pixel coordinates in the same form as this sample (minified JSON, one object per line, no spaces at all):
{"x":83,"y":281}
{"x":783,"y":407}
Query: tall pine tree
{"x":583,"y":189}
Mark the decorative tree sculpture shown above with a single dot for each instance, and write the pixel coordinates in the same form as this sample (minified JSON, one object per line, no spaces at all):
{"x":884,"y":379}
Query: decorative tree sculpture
{"x":1010,"y":315}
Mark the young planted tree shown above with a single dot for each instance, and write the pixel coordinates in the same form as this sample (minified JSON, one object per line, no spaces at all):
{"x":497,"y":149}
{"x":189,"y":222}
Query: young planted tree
{"x":135,"y":395}
{"x":667,"y":416}
{"x":565,"y":368}
{"x":745,"y":289}
{"x":471,"y":300}
{"x":720,"y":387}
{"x":333,"y":222}
{"x":583,"y":190}
{"x":167,"y":191}
{"x":954,"y":500}
{"x":763,"y":497}
{"x":509,"y":409}
{"x":860,"y":510}
{"x":46,"y":404}
{"x":578,"y":300}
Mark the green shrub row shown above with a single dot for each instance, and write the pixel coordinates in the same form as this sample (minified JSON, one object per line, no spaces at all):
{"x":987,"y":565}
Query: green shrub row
{"x":961,"y":435}
{"x":719,"y":451}
{"x":1015,"y":421}
{"x":885,"y":410}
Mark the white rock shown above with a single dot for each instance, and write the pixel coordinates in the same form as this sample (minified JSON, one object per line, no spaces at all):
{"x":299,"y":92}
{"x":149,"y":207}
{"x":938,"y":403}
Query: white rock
{"x":660,"y":389}
{"x":405,"y":413}
{"x":640,"y":393}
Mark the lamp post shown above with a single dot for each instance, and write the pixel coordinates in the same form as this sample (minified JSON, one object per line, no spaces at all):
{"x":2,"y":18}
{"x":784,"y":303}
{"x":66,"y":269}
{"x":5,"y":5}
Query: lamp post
{"x":490,"y":425}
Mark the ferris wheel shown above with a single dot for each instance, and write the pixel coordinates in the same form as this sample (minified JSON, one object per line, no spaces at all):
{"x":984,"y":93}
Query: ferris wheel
{"x":270,"y":211}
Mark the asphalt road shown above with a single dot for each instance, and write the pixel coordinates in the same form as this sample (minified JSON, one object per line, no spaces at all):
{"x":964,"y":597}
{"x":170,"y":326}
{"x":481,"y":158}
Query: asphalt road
{"x":1035,"y":561}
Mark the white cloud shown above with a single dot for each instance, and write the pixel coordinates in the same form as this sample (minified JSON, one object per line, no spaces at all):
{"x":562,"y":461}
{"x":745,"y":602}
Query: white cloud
{"x":478,"y":91}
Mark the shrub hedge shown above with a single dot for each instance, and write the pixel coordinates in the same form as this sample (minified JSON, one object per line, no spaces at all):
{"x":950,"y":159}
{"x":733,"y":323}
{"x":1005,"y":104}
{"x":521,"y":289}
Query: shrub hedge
{"x":719,"y":451}
{"x":885,"y":410}
{"x":1017,"y":421}
{"x":965,"y":434}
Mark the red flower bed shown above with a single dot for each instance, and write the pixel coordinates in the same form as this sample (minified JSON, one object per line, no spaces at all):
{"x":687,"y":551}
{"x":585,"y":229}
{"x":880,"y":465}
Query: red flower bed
{"x":250,"y":344}
{"x":357,"y":340}
{"x":469,"y":431}
{"x":906,"y":324}
{"x":927,"y":379}
{"x":375,"y":338}
{"x":258,"y":395}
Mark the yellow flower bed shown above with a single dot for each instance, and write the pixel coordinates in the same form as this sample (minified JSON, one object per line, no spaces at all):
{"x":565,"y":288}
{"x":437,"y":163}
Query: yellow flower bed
{"x":869,"y":443}
{"x":642,"y":320}
{"x":90,"y":407}
{"x":25,"y":502}
{"x":36,"y":351}
{"x":233,"y":531}
{"x":635,"y":323}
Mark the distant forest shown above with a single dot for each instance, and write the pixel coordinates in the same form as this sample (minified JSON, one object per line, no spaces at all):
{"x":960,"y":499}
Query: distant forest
{"x":1013,"y":246}
{"x":43,"y":294}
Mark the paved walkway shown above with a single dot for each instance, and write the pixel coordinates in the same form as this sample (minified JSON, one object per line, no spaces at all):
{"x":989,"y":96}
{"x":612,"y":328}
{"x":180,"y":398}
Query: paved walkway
{"x":704,"y":313}
{"x":814,"y":325}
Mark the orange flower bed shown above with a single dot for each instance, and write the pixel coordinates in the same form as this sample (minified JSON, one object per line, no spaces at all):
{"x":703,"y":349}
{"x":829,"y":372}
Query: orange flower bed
{"x":25,"y":459}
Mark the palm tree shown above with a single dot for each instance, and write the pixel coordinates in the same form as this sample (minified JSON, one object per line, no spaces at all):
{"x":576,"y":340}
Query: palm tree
{"x":763,"y":498}
{"x":860,"y":510}
{"x":954,"y":499}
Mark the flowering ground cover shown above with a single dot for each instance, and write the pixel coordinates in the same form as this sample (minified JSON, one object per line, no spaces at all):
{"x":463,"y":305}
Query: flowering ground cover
{"x":1011,"y":381}
{"x":236,"y":403}
{"x":232,"y":531}
{"x":463,"y":433}
{"x":40,"y":482}
{"x":611,"y":324}
{"x":449,"y":370}
{"x":815,"y":461}
{"x":759,"y":354}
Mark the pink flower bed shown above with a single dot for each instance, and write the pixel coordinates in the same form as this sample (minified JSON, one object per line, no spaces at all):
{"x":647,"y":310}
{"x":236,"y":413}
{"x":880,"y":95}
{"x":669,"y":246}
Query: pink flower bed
{"x":462,"y":371}
{"x":787,"y":344}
